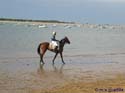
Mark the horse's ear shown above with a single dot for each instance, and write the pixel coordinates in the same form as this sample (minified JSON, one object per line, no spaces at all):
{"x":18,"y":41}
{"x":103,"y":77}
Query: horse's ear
{"x":66,"y":37}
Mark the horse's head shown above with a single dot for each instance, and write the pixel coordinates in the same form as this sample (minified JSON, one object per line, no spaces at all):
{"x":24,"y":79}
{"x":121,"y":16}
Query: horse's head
{"x":67,"y":40}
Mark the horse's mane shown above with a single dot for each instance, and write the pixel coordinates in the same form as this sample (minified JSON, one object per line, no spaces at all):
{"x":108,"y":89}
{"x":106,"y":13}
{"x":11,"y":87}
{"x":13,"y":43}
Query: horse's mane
{"x":62,"y":40}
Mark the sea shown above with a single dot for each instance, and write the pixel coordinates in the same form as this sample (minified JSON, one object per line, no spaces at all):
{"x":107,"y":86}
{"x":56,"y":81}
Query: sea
{"x":21,"y":39}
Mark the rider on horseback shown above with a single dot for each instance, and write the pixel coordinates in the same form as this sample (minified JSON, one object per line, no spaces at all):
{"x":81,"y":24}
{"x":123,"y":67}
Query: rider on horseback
{"x":55,"y":42}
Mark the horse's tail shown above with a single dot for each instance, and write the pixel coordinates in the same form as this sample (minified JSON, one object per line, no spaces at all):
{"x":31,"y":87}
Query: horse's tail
{"x":38,"y":49}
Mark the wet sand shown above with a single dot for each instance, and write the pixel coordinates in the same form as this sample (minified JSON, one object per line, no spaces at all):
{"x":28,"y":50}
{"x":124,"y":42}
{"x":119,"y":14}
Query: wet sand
{"x":80,"y":74}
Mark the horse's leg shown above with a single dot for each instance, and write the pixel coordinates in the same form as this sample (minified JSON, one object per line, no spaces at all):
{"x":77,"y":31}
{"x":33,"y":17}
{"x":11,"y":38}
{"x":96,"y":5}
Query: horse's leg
{"x":55,"y":57}
{"x":41,"y":59}
{"x":42,"y":54}
{"x":62,"y":58}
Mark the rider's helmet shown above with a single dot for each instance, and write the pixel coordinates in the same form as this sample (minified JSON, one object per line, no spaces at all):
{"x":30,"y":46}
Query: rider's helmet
{"x":54,"y":33}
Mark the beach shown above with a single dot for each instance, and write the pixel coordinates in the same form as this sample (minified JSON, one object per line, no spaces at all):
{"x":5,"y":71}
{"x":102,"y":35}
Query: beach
{"x":94,"y":59}
{"x":25,"y":75}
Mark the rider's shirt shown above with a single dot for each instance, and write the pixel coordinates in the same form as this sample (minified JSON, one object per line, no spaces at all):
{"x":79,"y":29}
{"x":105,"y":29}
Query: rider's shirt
{"x":54,"y":41}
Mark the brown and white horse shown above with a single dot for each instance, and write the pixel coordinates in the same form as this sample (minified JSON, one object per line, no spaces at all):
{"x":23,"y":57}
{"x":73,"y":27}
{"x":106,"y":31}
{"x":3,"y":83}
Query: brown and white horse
{"x":43,"y":47}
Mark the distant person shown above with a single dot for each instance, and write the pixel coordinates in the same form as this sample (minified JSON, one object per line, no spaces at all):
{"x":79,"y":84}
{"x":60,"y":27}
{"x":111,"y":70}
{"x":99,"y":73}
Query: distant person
{"x":55,"y":42}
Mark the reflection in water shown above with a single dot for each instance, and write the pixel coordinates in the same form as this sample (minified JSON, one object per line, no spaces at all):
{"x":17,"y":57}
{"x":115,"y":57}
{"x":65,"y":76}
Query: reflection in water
{"x":50,"y":73}
{"x":60,"y":70}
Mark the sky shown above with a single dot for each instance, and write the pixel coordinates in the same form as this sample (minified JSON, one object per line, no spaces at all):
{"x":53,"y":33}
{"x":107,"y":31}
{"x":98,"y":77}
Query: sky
{"x":83,"y":11}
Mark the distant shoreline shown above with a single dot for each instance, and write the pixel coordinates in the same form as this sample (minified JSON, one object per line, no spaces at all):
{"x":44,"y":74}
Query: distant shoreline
{"x":13,"y":20}
{"x":30,"y":20}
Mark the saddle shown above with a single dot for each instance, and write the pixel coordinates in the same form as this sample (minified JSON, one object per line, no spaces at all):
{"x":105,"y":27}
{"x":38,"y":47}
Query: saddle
{"x":53,"y":45}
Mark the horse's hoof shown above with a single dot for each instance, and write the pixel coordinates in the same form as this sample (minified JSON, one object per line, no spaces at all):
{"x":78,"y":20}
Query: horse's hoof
{"x":42,"y":63}
{"x":53,"y":63}
{"x":64,"y":63}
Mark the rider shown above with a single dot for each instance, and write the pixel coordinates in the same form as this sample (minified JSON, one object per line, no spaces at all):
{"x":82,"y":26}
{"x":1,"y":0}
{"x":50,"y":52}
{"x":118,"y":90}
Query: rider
{"x":54,"y":41}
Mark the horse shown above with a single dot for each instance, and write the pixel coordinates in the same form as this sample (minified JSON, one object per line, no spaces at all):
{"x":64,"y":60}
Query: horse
{"x":43,"y":47}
